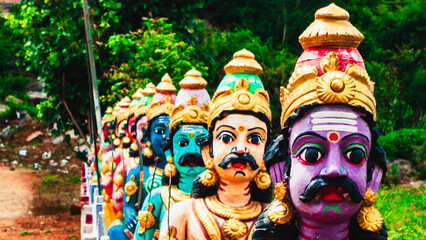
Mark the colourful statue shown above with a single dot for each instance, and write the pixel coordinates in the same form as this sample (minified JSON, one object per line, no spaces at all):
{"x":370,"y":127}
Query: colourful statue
{"x":165,"y":88}
{"x":152,"y":140}
{"x":327,"y":166}
{"x":136,"y":119}
{"x":112,"y":195}
{"x":235,"y":188}
{"x":188,"y":127}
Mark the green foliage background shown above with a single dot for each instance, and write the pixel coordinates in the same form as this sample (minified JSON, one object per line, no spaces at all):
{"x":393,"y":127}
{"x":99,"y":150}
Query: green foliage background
{"x":139,"y":41}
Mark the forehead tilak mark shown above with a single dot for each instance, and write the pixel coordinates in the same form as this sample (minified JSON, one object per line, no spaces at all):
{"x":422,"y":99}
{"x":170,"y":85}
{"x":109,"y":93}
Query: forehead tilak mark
{"x":332,"y":120}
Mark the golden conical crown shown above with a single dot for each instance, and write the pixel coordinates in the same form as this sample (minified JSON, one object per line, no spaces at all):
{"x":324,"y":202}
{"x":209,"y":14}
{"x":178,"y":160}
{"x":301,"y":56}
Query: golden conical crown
{"x":331,"y":28}
{"x":137,"y":95}
{"x":193,"y":80}
{"x":243,"y":62}
{"x":149,"y":90}
{"x":166,"y":85}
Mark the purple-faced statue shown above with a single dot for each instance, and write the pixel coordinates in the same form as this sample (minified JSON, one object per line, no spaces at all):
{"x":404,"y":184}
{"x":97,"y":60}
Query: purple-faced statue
{"x":327,"y":164}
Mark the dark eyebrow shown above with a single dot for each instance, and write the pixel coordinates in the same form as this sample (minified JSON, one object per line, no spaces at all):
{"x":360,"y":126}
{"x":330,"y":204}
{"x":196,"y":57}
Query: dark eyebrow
{"x":256,"y":128}
{"x":201,"y":135}
{"x":217,"y":129}
{"x":355,"y":134}
{"x":233,"y":135}
{"x":309,"y":133}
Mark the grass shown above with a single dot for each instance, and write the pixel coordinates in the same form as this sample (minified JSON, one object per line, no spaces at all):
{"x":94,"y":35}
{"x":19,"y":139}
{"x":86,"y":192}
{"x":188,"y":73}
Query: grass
{"x":404,"y":211}
{"x":56,"y":193}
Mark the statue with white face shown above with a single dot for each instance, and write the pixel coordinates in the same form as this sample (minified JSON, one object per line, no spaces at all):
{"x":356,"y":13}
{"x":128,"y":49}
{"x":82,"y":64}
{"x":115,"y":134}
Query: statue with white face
{"x":327,"y":165}
{"x":235,"y":188}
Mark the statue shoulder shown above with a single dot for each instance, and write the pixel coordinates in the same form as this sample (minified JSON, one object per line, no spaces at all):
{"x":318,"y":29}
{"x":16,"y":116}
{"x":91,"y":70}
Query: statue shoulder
{"x":265,"y":228}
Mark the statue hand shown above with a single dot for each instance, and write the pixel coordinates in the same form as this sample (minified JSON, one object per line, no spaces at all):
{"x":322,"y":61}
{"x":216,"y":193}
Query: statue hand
{"x":130,"y":220}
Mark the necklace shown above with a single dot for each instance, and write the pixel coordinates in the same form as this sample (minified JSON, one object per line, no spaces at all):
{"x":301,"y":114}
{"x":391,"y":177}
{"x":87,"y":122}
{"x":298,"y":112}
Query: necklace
{"x":233,"y":227}
{"x":177,"y":195}
{"x":250,"y":211}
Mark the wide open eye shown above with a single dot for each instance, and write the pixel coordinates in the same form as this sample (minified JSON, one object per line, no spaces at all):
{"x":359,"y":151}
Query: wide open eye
{"x":310,"y":155}
{"x":355,"y":156}
{"x":255,"y":138}
{"x":182,"y":143}
{"x":226,"y":138}
{"x":159,"y":130}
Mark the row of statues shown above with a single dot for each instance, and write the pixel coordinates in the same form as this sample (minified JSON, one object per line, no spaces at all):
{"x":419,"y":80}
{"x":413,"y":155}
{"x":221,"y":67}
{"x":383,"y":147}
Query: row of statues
{"x":189,"y":167}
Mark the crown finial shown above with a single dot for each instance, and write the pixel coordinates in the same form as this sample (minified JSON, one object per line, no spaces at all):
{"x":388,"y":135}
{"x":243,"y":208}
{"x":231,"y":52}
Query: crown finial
{"x":331,"y":28}
{"x":137,"y":95}
{"x":149,"y":90}
{"x":243,"y":62}
{"x":125,"y":102}
{"x":166,"y":85}
{"x":193,"y":80}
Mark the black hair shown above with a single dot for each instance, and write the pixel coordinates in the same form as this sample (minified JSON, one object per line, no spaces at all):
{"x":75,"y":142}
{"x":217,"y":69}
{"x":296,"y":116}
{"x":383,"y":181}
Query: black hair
{"x":278,"y":150}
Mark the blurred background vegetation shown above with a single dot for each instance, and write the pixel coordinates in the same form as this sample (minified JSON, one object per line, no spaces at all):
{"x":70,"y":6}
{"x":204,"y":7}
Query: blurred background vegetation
{"x":137,"y":42}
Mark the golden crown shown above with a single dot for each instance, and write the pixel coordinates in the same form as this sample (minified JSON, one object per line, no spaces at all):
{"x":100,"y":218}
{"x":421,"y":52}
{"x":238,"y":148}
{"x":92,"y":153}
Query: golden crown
{"x":242,"y":94}
{"x":189,"y":114}
{"x":137,"y":95}
{"x":125,"y":102}
{"x":331,"y":28}
{"x":124,"y":115}
{"x":155,"y":108}
{"x":351,"y":86}
{"x":193,"y":80}
{"x":149,"y":90}
{"x":166,"y":85}
{"x":141,"y":110}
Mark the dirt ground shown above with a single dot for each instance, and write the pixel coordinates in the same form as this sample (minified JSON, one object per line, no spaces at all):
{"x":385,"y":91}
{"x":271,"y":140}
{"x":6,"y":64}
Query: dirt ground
{"x":16,"y":218}
{"x":26,"y":211}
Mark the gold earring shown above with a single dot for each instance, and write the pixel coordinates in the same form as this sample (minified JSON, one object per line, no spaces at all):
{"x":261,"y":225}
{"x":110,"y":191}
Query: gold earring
{"x":147,"y":152}
{"x":368,"y":217}
{"x":262,"y":178}
{"x":116,"y":142}
{"x":170,"y":169}
{"x":281,"y":211}
{"x":209,"y":176}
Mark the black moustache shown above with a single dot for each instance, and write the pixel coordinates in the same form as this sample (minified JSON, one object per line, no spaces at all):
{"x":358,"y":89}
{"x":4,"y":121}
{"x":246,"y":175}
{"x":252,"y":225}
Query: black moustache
{"x":318,"y":182}
{"x":191,"y":156}
{"x":122,"y":135}
{"x":236,"y":156}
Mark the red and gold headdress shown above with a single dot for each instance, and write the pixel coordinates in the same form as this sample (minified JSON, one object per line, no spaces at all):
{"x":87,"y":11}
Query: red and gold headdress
{"x":330,"y":70}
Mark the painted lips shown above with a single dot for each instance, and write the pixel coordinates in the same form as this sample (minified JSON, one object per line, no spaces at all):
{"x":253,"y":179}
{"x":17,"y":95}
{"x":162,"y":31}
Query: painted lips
{"x":239,"y":163}
{"x":332,"y":193}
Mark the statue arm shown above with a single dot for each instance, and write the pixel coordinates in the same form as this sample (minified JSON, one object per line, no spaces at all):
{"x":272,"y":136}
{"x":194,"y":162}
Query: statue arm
{"x":130,"y":198}
{"x":178,"y":220}
{"x":155,"y":199}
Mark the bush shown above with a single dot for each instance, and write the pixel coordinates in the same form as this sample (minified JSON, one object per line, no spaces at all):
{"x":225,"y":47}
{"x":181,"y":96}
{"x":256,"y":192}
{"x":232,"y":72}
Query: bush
{"x":400,"y":143}
{"x":408,"y":144}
